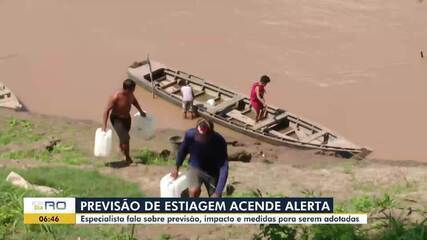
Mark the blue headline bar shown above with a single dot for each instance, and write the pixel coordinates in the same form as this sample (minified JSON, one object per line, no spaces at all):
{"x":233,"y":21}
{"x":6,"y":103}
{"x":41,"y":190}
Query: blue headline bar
{"x":204,"y":205}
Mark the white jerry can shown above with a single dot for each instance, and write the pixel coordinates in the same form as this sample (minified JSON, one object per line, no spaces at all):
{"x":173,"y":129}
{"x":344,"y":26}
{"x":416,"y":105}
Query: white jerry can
{"x":173,"y":188}
{"x":143,"y":126}
{"x":103,"y":143}
{"x":210,"y":102}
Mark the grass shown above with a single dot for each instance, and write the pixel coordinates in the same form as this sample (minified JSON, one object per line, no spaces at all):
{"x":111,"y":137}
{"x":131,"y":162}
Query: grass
{"x":165,"y":236}
{"x":347,"y":167}
{"x":245,"y":194}
{"x":366,"y":203}
{"x":148,"y":157}
{"x":275,"y":232}
{"x":406,"y":187}
{"x":78,"y":182}
{"x":26,"y":154}
{"x":397,"y":228}
{"x":370,"y":186}
{"x":61,"y":153}
{"x":73,"y":182}
{"x":254,"y":193}
{"x":384,"y":226}
{"x":89,"y":183}
{"x":335,"y":231}
{"x":18,"y":131}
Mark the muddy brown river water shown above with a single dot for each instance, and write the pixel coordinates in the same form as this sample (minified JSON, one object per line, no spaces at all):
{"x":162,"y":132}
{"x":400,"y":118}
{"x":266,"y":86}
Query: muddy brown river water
{"x":353,"y":66}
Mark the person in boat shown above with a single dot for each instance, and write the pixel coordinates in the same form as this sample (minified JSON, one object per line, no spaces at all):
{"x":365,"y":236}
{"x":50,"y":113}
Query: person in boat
{"x":119,"y":105}
{"x":187,"y":100}
{"x":208,"y":159}
{"x":257,"y":97}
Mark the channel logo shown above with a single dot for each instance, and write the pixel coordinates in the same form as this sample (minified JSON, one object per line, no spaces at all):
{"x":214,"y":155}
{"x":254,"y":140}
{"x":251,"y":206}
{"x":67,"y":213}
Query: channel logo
{"x":49,"y":205}
{"x":37,"y":206}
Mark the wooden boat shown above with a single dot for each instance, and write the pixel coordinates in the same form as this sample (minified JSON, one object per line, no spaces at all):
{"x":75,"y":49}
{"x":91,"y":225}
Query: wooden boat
{"x":234,"y":111}
{"x":8,"y":99}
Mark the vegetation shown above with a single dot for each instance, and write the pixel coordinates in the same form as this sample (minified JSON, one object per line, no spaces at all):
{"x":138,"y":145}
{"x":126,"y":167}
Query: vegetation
{"x":384,"y":224}
{"x":74,"y":182}
{"x":165,"y":237}
{"x":387,"y":220}
{"x":19,"y":133}
{"x":255,"y":193}
{"x":393,"y":228}
{"x":275,"y":232}
{"x":149,"y":157}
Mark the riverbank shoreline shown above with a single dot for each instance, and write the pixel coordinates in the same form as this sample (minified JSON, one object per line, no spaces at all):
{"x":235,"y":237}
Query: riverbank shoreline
{"x":271,"y":171}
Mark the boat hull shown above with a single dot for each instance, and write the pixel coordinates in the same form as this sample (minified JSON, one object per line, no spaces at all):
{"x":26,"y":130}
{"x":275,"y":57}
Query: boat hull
{"x":8,"y":99}
{"x":141,"y":77}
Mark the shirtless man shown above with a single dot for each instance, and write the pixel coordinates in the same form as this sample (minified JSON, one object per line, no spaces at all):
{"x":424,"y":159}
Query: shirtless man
{"x":119,"y":105}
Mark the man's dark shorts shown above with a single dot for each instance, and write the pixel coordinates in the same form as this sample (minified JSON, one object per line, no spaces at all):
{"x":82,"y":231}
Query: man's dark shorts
{"x":197,"y":177}
{"x":122,"y":127}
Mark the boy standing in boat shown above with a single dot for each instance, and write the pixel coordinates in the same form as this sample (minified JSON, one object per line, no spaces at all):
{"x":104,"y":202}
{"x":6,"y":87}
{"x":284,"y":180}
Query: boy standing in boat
{"x":119,"y":105}
{"x":208,"y":159}
{"x":187,"y":100}
{"x":257,"y":97}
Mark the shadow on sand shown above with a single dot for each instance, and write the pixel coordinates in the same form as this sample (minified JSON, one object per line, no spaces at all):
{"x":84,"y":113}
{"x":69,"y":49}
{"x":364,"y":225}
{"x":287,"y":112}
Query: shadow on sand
{"x":117,"y":164}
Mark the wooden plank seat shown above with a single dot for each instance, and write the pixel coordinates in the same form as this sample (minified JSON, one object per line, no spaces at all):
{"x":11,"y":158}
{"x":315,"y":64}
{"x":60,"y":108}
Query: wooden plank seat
{"x":281,"y":135}
{"x":289,"y":130}
{"x":184,"y":76}
{"x":172,"y":89}
{"x":225,"y":105}
{"x":166,"y":85}
{"x":313,"y":137}
{"x":198,"y":94}
{"x":300,"y":134}
{"x":270,"y":121}
{"x":236,"y":114}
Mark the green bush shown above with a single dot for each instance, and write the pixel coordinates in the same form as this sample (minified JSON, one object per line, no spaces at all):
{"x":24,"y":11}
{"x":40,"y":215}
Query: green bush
{"x":362,"y":204}
{"x":149,"y":157}
{"x":336,"y":232}
{"x":276,"y":232}
{"x":388,"y":227}
{"x":366,"y":203}
{"x":397,"y":228}
{"x":10,"y":209}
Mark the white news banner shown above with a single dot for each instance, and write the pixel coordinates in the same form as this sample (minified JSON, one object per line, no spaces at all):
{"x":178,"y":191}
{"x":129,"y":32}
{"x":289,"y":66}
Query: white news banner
{"x":62,"y":211}
{"x":221,"y":218}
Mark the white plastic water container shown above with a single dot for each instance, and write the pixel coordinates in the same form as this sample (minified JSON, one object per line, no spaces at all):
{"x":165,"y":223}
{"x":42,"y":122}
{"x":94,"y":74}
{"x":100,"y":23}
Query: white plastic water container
{"x":143,"y":126}
{"x":210,"y":102}
{"x":103,"y":143}
{"x":173,"y":188}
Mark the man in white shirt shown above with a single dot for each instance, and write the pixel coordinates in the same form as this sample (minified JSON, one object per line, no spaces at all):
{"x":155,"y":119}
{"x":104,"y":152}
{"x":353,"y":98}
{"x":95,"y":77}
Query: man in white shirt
{"x":187,"y":100}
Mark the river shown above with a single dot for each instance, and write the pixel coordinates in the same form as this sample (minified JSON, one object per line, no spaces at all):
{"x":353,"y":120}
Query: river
{"x":353,"y":66}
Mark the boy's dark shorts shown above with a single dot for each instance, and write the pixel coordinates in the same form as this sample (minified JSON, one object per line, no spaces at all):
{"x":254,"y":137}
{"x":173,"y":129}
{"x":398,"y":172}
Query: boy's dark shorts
{"x":197,"y":177}
{"x":122,"y":127}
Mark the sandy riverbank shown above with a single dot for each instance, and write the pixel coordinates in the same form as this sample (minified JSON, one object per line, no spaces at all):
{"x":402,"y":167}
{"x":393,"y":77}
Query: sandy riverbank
{"x":272,"y":171}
